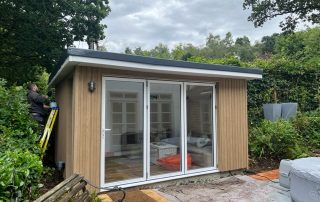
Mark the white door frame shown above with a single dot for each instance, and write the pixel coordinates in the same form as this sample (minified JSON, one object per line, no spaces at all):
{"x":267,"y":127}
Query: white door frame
{"x":146,"y":137}
{"x":104,"y":129}
{"x":214,"y":134}
{"x":168,"y":175}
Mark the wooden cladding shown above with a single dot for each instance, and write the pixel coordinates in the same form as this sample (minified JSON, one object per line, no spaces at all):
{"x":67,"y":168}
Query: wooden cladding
{"x":85,"y":146}
{"x":232,"y":125}
{"x":87,"y":124}
{"x":63,"y":138}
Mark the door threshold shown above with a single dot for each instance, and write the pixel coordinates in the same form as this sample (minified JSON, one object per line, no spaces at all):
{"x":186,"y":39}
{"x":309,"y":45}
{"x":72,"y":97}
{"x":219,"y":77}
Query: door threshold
{"x":152,"y":181}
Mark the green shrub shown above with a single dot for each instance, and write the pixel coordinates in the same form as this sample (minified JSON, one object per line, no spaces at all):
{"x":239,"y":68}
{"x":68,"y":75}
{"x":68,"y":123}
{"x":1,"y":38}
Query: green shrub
{"x":14,"y":110}
{"x":20,"y":172}
{"x":276,"y":140}
{"x":308,"y":126}
{"x":17,"y":129}
{"x":19,"y":145}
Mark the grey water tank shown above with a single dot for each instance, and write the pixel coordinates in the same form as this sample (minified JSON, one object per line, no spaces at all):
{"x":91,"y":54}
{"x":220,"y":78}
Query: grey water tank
{"x":288,"y":110}
{"x":272,"y":112}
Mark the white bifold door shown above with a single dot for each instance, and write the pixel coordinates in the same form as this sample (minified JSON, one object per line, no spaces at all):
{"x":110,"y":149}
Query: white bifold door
{"x":155,"y":129}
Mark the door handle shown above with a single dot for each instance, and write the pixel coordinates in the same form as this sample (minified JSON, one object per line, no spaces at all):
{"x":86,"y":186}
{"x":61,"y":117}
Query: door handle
{"x":104,"y":131}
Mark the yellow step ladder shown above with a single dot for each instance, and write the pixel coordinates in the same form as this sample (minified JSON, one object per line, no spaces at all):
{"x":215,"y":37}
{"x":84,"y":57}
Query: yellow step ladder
{"x":47,"y":130}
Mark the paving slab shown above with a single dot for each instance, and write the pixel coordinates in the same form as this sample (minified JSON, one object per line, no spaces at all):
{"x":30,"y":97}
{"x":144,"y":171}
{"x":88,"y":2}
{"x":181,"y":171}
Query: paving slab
{"x":236,"y":188}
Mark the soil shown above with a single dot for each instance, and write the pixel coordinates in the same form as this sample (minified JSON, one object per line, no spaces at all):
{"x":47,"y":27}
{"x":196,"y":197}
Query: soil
{"x":50,"y":180}
{"x":316,"y":153}
{"x":263,"y":165}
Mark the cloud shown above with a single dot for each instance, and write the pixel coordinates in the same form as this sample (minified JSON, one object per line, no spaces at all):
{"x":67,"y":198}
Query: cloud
{"x":144,"y":23}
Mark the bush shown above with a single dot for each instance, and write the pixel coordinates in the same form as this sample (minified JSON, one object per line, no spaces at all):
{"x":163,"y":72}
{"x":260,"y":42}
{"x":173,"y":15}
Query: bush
{"x":308,"y":126}
{"x":276,"y":140}
{"x":20,"y":172}
{"x":19,"y":150}
{"x":14,"y":110}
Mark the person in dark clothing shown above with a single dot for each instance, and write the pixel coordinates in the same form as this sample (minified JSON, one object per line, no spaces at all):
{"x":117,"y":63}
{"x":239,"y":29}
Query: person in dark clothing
{"x":37,"y":107}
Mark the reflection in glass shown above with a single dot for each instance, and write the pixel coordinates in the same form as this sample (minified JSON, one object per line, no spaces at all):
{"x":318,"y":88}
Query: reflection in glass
{"x":165,"y":124}
{"x":199,"y":126}
{"x":124,"y":143}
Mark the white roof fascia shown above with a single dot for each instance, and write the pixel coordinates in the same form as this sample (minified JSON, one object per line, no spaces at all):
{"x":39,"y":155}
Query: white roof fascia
{"x":122,"y":65}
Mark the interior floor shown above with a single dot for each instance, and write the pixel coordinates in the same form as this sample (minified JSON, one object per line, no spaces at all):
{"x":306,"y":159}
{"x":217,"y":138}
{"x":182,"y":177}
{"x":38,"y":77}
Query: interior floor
{"x":122,"y":168}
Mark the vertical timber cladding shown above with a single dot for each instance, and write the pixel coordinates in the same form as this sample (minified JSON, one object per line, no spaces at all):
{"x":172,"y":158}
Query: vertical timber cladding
{"x":87,"y":124}
{"x":63,"y":137}
{"x":232,"y":124}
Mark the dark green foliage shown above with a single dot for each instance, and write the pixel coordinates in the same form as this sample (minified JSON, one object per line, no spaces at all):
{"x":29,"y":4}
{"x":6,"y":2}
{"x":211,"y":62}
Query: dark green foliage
{"x":295,"y":11}
{"x":268,"y":44}
{"x":19,"y":150}
{"x":14,"y":111}
{"x":184,"y":52}
{"x":243,"y":49}
{"x":20,"y":172}
{"x":308,"y":125}
{"x":283,"y":80}
{"x":231,"y":60}
{"x":294,"y":138}
{"x":35,"y":33}
{"x":276,"y":140}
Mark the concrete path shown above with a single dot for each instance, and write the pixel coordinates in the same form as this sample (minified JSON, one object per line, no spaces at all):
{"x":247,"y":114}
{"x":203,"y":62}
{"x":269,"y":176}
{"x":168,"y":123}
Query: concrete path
{"x":232,"y":189}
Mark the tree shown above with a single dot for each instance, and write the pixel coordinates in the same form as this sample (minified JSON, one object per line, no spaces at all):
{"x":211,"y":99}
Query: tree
{"x":243,"y":49}
{"x":35,"y":33}
{"x":228,"y":41}
{"x":128,"y":50}
{"x":268,"y":43}
{"x":139,"y":51}
{"x":294,"y":10}
{"x":160,"y":51}
{"x":303,"y":45}
{"x":184,"y":52}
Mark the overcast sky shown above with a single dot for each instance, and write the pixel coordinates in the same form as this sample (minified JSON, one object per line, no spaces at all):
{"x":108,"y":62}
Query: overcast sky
{"x":146,"y":23}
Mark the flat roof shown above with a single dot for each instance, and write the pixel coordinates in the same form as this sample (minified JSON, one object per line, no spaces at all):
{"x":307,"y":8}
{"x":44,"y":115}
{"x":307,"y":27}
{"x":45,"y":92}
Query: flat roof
{"x":78,"y":57}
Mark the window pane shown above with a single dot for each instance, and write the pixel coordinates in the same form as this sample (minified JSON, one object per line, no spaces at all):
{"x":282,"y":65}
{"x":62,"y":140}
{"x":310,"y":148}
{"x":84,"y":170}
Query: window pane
{"x":199,"y":126}
{"x":154,"y":117}
{"x":166,"y":117}
{"x":166,"y":107}
{"x":131,"y":118}
{"x":124,"y":143}
{"x":117,"y":118}
{"x":165,"y":134}
{"x":116,"y":128}
{"x":154,"y":106}
{"x":116,"y":107}
{"x":131,"y":107}
{"x":130,"y":95}
{"x":116,"y":95}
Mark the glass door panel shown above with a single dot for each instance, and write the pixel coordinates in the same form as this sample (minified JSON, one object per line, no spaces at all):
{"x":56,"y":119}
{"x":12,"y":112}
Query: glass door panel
{"x":165,"y":128}
{"x":199,"y":110}
{"x":124,"y":126}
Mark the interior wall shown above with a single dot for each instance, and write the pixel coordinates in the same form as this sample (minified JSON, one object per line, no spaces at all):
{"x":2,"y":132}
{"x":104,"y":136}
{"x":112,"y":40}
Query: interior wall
{"x":63,"y":138}
{"x":232,"y":134}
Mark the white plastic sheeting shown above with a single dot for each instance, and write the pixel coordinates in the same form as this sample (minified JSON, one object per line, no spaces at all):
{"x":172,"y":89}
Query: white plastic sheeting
{"x":305,"y":180}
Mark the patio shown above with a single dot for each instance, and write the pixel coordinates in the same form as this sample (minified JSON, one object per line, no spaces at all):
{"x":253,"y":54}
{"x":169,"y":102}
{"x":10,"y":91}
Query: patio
{"x":234,"y":188}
